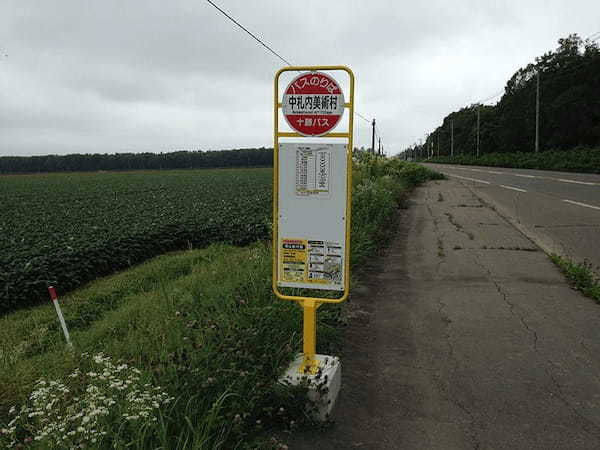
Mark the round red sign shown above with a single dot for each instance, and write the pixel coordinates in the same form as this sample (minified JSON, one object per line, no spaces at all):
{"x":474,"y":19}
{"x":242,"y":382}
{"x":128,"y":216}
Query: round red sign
{"x":313,"y":104}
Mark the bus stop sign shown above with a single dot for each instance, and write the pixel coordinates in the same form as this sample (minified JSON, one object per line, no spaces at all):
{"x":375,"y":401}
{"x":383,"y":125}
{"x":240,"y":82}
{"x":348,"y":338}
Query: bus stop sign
{"x":313,"y":104}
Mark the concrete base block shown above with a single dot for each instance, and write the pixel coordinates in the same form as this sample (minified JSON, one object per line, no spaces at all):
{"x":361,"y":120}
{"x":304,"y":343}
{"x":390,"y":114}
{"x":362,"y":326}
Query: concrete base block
{"x":323,"y":387}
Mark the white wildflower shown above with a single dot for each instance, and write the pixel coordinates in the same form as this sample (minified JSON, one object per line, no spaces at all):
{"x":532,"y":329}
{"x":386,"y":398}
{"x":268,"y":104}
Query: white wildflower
{"x":70,"y":416}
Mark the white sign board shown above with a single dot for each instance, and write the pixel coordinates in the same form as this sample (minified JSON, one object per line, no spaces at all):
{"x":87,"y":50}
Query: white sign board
{"x":312,"y":208}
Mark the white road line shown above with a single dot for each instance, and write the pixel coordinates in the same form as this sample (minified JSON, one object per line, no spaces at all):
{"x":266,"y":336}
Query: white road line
{"x":582,"y":204}
{"x":562,"y":180}
{"x":469,"y":179}
{"x":513,"y":188}
{"x":588,"y":183}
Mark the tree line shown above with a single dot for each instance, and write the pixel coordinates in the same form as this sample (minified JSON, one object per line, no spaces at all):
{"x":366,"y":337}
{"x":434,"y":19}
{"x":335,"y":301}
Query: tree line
{"x":569,"y":108}
{"x":247,"y":157}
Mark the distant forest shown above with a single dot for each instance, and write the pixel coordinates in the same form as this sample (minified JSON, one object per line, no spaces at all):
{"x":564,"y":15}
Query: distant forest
{"x":569,"y":108}
{"x":247,"y":157}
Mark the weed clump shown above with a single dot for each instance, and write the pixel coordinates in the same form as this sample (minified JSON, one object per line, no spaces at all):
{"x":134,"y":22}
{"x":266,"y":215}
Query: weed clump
{"x":581,"y":276}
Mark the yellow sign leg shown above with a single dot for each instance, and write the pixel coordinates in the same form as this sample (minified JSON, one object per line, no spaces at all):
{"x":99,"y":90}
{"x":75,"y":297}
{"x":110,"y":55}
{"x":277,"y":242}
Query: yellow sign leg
{"x":310,"y":364}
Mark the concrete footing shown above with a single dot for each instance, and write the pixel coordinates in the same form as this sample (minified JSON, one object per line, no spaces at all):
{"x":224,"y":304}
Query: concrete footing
{"x":323,"y":387}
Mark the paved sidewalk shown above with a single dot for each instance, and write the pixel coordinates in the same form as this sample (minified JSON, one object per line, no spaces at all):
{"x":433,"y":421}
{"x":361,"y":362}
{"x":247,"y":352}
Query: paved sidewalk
{"x":464,"y":336}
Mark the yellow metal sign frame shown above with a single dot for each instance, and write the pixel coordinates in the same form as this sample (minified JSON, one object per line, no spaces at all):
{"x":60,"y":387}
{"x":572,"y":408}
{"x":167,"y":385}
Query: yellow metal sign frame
{"x":310,"y":304}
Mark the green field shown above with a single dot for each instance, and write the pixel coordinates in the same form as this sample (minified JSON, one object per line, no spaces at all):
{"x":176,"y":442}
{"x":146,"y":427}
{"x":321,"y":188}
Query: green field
{"x":66,"y":229}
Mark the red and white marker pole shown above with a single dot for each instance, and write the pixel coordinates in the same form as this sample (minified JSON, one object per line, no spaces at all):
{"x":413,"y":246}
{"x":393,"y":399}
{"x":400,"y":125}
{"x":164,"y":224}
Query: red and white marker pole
{"x":61,"y":319}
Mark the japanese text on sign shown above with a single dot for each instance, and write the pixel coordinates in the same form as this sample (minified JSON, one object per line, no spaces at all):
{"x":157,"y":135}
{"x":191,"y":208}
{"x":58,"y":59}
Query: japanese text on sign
{"x":315,"y":80}
{"x":310,"y":122}
{"x":324,"y":258}
{"x":312,"y":172}
{"x":316,"y":104}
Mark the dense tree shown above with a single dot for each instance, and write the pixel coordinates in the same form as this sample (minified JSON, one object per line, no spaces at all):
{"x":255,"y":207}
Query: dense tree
{"x":248,"y":157}
{"x":569,"y":80}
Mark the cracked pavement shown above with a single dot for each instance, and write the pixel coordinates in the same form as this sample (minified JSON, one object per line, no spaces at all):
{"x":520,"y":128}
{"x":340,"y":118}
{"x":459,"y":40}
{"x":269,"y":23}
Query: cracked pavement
{"x":465,"y":336}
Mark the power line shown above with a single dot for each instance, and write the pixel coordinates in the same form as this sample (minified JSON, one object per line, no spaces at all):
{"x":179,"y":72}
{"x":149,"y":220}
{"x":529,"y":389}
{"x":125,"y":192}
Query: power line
{"x":257,"y":39}
{"x":556,"y":75}
{"x":593,"y":37}
{"x":362,"y":117}
{"x":491,"y":98}
{"x":251,"y":34}
{"x":378,"y":133}
{"x":549,"y":76}
{"x":569,"y":70}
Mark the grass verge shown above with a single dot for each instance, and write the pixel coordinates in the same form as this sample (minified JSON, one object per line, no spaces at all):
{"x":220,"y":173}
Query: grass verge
{"x":580,"y":275}
{"x":181,"y":352}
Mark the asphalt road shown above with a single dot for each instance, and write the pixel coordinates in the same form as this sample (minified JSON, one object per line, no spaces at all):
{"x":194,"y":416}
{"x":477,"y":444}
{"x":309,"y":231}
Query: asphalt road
{"x":559,"y":211}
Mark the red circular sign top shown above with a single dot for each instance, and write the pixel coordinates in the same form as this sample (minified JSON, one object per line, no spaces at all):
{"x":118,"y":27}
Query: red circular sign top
{"x":313,"y":104}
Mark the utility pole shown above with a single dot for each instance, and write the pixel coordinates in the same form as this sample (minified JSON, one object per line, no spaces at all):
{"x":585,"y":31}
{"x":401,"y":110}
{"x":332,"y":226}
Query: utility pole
{"x":373,"y":138}
{"x":379,"y":146}
{"x":451,"y":137}
{"x":478,"y":130}
{"x":537,"y":113}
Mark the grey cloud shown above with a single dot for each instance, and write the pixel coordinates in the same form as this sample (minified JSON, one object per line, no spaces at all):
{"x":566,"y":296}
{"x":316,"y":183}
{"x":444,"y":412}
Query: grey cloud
{"x":152,"y":75}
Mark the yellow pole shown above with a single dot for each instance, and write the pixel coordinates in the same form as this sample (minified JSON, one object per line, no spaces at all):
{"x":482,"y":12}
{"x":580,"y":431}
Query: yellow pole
{"x":310,"y":364}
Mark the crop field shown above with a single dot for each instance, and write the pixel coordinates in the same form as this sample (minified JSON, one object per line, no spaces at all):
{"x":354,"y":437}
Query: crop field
{"x":66,"y":229}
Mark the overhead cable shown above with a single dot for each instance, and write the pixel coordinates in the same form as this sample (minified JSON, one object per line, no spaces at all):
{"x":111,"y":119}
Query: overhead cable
{"x":257,"y":39}
{"x":362,"y":117}
{"x":251,"y":34}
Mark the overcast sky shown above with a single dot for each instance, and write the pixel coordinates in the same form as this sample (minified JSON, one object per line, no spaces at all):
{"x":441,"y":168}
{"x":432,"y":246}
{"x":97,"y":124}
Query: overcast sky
{"x":114,"y":76}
